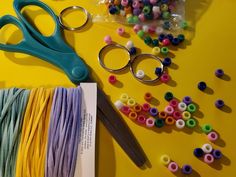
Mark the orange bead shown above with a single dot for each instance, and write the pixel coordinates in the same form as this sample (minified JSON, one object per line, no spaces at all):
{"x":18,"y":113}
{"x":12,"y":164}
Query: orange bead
{"x":148,"y":96}
{"x":133,"y":115}
{"x":117,"y":2}
{"x":137,"y":108}
{"x":162,"y":115}
{"x":169,"y":120}
{"x":128,"y":10}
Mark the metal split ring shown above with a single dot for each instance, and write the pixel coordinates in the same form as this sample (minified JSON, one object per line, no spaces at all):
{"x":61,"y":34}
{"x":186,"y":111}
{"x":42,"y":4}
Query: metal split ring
{"x":71,"y":8}
{"x":109,"y":47}
{"x":130,"y":63}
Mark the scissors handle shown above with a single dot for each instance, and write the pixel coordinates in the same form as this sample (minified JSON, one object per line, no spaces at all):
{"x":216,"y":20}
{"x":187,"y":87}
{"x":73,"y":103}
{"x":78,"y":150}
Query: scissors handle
{"x":70,"y":63}
{"x":55,"y":41}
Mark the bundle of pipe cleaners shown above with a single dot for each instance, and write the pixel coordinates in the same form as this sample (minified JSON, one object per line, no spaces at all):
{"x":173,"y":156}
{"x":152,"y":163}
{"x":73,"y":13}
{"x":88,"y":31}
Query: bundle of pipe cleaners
{"x":39,"y":132}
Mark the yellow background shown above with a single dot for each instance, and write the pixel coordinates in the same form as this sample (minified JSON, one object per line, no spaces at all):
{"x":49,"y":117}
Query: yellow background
{"x":211,"y":45}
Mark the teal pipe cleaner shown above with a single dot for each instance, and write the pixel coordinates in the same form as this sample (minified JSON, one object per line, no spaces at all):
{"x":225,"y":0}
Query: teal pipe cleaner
{"x":12,"y":108}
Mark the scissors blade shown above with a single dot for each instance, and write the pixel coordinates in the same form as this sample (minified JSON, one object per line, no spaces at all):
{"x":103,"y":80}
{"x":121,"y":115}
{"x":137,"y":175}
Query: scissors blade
{"x":119,"y":129}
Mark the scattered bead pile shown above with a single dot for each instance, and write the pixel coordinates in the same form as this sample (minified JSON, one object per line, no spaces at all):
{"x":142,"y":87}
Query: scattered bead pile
{"x":178,"y":113}
{"x":173,"y":166}
{"x":207,"y":153}
{"x":137,"y":11}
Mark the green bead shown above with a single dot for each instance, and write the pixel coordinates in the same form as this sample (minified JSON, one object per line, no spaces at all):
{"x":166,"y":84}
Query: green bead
{"x":118,"y":10}
{"x":207,"y":128}
{"x":155,"y":42}
{"x":159,"y":123}
{"x":164,"y":50}
{"x":135,"y":19}
{"x":169,"y":96}
{"x":181,"y":37}
{"x":184,"y":25}
{"x":166,"y":15}
{"x":146,"y":10}
{"x":191,"y":123}
{"x":148,"y":16}
{"x":130,"y":19}
{"x":191,"y":108}
{"x":148,"y":40}
{"x":140,"y":33}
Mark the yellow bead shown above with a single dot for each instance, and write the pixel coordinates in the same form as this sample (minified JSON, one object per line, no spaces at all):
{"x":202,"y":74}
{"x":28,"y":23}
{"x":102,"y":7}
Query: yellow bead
{"x":131,"y":102}
{"x":165,"y":159}
{"x":186,"y":115}
{"x":124,"y":97}
{"x":164,"y":7}
{"x":156,"y":50}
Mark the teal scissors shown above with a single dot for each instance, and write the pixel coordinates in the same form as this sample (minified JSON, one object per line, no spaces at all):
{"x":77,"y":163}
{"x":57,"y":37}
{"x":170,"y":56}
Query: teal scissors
{"x":56,"y":51}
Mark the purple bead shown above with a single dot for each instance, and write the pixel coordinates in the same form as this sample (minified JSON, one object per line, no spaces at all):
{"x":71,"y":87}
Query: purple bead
{"x":217,"y":154}
{"x":187,"y":100}
{"x":187,"y":169}
{"x":219,"y":73}
{"x":137,"y":11}
{"x":153,"y":111}
{"x":219,"y":103}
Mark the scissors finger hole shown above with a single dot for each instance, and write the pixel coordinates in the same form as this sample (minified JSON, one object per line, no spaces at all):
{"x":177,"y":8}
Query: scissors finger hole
{"x":10,"y":35}
{"x":146,"y":63}
{"x":114,"y":57}
{"x":74,"y":18}
{"x":39,"y":19}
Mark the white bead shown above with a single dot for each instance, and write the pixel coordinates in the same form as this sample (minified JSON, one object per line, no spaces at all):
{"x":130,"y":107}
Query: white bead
{"x":180,"y":123}
{"x":159,"y":30}
{"x":129,"y":44}
{"x":122,"y":13}
{"x":145,"y":28}
{"x":182,"y":106}
{"x":156,"y":9}
{"x":140,"y":74}
{"x":207,"y":148}
{"x":118,"y":104}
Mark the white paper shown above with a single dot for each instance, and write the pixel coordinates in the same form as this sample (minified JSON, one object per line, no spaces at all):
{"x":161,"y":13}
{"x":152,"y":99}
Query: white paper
{"x":85,"y":165}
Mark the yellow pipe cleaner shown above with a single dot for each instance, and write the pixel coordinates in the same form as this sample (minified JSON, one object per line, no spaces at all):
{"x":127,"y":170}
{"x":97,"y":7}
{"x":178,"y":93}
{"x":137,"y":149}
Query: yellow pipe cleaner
{"x":32,"y":149}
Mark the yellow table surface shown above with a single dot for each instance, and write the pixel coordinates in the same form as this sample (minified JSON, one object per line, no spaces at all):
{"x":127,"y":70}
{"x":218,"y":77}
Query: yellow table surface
{"x":211,"y":46}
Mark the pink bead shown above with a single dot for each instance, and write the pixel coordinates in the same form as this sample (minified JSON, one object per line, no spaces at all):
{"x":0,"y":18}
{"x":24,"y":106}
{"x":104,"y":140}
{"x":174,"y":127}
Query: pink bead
{"x":141,"y":17}
{"x":136,"y":4}
{"x":169,"y":110}
{"x":165,"y":78}
{"x":124,"y":2}
{"x":120,"y":31}
{"x":137,"y":28}
{"x":108,"y":39}
{"x":153,"y":1}
{"x":174,"y":103}
{"x":150,"y":122}
{"x":152,"y":29}
{"x":212,"y":136}
{"x":112,"y":79}
{"x":141,"y":119}
{"x":173,"y":167}
{"x":171,"y":7}
{"x":166,"y":42}
{"x":125,"y":110}
{"x":146,"y":107}
{"x":177,"y":115}
{"x":156,"y":15}
{"x":208,"y":158}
